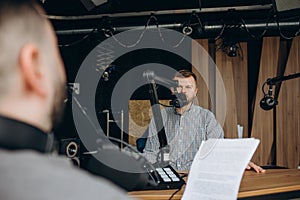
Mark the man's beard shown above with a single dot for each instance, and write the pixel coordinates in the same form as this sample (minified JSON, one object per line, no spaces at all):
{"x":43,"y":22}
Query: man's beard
{"x":191,"y":99}
{"x":58,"y":106}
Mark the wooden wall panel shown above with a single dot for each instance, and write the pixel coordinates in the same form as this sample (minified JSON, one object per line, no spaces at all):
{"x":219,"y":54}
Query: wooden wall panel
{"x":240,"y":77}
{"x":139,"y":118}
{"x":200,"y":68}
{"x":225,"y":65}
{"x":288,"y":113}
{"x":262,"y":126}
{"x":140,"y":114}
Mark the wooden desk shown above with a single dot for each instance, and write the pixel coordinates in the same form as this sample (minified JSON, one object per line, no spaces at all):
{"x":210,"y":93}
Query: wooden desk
{"x":252,"y":184}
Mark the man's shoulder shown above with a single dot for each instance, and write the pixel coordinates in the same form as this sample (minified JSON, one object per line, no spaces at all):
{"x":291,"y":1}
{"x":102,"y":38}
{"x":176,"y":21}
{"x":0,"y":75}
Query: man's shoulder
{"x":168,"y":110}
{"x":199,"y":109}
{"x":195,"y":109}
{"x":53,"y":172}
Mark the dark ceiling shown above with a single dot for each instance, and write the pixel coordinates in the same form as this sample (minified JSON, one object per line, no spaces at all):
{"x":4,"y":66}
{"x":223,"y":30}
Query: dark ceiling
{"x":76,"y":7}
{"x":243,"y":17}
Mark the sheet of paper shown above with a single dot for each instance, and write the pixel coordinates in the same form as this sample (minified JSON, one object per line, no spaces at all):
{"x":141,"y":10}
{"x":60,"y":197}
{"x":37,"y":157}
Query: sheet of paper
{"x":218,"y":167}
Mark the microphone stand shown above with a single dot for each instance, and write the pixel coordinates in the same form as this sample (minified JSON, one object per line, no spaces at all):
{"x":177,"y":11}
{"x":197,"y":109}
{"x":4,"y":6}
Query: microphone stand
{"x":164,"y":148}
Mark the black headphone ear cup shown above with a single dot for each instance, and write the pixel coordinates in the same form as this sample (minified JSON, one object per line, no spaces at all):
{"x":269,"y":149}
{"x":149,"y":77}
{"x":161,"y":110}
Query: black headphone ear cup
{"x":271,"y":101}
{"x":268,"y":102}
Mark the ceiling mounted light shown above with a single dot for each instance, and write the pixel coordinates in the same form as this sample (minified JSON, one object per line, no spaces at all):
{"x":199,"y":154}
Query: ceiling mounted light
{"x":231,"y":48}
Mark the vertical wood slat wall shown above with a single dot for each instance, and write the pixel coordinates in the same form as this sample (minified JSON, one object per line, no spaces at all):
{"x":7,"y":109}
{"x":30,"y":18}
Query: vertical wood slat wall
{"x":234,"y":73}
{"x":200,"y":59}
{"x":288,"y":113}
{"x":240,"y":77}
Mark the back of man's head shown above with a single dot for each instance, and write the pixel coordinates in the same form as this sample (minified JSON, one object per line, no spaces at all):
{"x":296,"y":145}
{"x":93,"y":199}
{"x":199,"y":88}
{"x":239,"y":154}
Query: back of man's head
{"x":20,"y":22}
{"x":32,"y":76}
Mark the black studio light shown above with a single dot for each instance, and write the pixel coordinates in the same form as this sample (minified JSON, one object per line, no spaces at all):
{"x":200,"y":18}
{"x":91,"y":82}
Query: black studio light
{"x":230,"y":48}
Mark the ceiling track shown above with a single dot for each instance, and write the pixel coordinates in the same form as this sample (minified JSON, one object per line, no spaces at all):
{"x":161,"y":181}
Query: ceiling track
{"x":162,"y":12}
{"x":208,"y":29}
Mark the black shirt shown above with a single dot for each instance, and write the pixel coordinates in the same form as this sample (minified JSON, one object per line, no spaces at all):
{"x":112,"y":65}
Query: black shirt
{"x":17,"y":135}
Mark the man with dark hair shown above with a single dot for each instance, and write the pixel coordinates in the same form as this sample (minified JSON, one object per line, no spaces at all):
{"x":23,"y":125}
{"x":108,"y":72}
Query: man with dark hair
{"x":32,"y":96}
{"x":185,"y":127}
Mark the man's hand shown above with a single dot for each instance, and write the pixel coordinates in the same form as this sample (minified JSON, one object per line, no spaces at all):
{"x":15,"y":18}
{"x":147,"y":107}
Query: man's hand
{"x":255,"y":167}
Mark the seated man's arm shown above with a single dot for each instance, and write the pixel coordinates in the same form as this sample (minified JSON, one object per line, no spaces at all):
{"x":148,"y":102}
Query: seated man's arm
{"x":213,"y":128}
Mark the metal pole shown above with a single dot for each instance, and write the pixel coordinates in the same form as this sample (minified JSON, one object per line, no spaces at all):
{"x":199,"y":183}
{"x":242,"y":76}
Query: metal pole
{"x":122,"y":126}
{"x":107,"y":124}
{"x":161,"y":12}
{"x":208,"y":29}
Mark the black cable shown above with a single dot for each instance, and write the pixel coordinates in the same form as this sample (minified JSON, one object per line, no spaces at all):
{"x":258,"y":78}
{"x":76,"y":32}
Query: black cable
{"x":264,"y":31}
{"x":280,"y":32}
{"x":175,"y":193}
{"x":165,"y":105}
{"x":185,"y":174}
{"x":199,"y":22}
{"x":78,"y":41}
{"x":284,"y":36}
{"x":263,"y":88}
{"x":221,"y":32}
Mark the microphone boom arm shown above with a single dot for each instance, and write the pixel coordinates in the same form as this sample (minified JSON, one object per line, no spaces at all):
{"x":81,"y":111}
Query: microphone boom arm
{"x":164,"y":148}
{"x":268,"y":102}
{"x":157,"y":115}
{"x":273,"y":81}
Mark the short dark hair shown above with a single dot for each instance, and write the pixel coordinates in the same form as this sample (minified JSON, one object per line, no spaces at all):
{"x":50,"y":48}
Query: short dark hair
{"x":10,"y":5}
{"x":185,"y":74}
{"x":21,"y":21}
